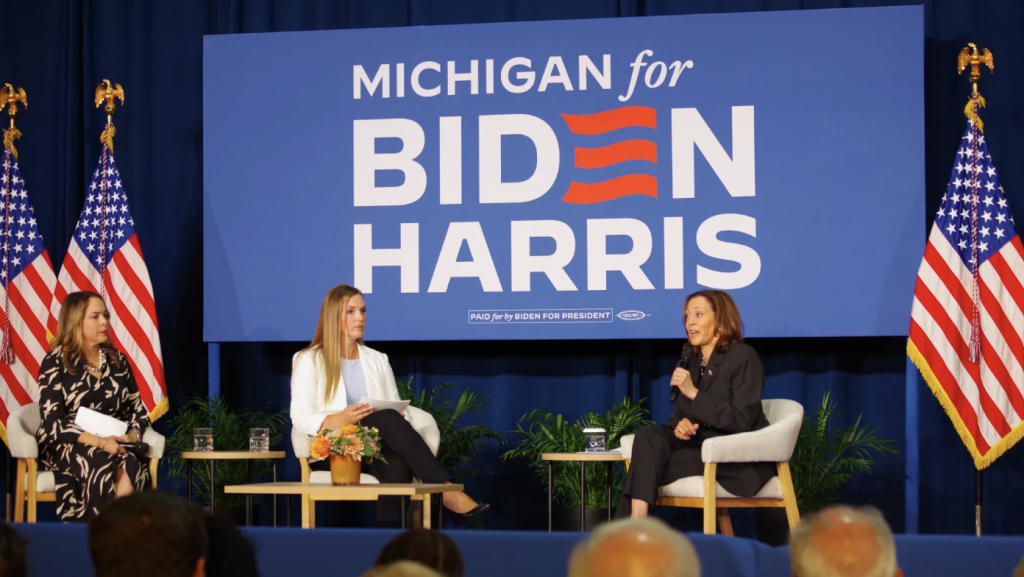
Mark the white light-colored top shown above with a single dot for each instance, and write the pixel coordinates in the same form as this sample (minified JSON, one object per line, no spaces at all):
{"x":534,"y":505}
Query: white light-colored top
{"x":309,"y":409}
{"x":355,"y":380}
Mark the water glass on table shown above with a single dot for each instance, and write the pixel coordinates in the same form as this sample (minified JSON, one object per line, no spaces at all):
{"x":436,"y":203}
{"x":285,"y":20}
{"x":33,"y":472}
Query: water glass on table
{"x":202,"y":440}
{"x":259,"y":440}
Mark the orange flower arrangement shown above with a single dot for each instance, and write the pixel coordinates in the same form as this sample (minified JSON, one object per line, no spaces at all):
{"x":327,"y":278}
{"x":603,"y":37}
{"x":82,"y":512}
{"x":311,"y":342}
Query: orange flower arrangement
{"x":355,"y":442}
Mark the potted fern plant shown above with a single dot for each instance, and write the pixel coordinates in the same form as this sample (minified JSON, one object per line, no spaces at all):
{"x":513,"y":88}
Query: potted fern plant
{"x":826,"y":458}
{"x":539,"y":432}
{"x":459,"y":443}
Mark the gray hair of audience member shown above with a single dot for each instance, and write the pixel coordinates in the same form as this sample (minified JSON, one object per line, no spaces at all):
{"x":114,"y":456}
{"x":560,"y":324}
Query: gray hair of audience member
{"x":635,"y":548}
{"x":843,"y":541}
{"x":402,"y":569}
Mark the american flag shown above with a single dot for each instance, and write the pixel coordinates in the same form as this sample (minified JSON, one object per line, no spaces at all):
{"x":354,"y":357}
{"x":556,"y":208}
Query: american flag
{"x":967,"y":319}
{"x":105,"y":258}
{"x":25,"y":315}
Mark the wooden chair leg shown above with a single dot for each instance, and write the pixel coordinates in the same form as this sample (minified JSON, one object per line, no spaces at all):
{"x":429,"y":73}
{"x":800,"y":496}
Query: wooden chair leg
{"x":153,"y":464}
{"x":19,"y":492}
{"x":789,"y":495}
{"x":33,"y":476}
{"x":308,"y":507}
{"x":710,"y":490}
{"x":304,"y":499}
{"x":725,"y":522}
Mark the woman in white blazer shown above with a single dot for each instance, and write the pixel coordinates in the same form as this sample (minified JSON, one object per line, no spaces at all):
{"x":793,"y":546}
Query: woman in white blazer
{"x":334,"y":372}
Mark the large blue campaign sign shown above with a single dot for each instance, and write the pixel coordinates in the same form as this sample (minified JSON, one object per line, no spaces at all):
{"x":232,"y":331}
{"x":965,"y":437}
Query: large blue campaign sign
{"x":568,"y":180}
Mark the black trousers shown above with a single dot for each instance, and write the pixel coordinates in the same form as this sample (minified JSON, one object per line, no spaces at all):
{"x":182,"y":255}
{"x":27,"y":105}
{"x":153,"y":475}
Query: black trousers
{"x":659,"y":458}
{"x":407,"y":455}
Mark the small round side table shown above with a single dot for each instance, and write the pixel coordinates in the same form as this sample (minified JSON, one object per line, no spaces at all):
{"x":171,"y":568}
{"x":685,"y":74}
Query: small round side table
{"x":214,"y":456}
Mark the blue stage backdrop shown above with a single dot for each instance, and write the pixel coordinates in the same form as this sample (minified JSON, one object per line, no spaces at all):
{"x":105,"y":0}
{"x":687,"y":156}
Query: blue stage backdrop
{"x":567,"y":179}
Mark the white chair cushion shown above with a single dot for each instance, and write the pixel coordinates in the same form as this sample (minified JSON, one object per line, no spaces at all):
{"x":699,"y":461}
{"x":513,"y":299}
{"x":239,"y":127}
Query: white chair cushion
{"x":21,"y":431}
{"x":694,"y":487}
{"x":156,"y":443}
{"x":772,"y":444}
{"x":324,"y":478}
{"x":44,"y":482}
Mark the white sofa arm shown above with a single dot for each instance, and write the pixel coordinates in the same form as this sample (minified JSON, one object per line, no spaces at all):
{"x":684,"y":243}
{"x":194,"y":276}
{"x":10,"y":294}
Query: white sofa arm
{"x":626,"y":445}
{"x":773,"y":444}
{"x":156,"y":443}
{"x":424,"y":424}
{"x":300,"y":443}
{"x":21,"y":431}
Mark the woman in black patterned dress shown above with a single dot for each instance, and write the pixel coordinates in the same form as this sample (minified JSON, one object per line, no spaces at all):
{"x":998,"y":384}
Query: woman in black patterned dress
{"x":84,"y":370}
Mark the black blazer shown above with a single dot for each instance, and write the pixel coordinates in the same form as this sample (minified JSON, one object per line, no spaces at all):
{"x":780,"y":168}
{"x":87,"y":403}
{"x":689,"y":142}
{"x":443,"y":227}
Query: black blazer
{"x":729,"y":395}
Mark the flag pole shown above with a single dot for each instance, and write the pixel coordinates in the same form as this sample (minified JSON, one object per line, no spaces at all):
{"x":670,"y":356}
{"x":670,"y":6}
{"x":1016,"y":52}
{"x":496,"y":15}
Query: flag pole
{"x":10,"y":97}
{"x":977,"y":502}
{"x":970,"y":56}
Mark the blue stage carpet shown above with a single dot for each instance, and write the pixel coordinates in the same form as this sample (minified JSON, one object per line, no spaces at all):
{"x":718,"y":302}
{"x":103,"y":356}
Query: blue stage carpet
{"x":62,"y":551}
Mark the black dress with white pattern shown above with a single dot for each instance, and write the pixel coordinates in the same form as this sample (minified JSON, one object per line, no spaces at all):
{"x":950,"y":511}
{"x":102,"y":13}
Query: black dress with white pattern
{"x":85,"y":476}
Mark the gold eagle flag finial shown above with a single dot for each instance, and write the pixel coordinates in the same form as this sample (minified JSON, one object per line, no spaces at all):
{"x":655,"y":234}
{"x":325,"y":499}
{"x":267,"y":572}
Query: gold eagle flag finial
{"x":970,"y":56}
{"x":107,"y":92}
{"x":11,"y":97}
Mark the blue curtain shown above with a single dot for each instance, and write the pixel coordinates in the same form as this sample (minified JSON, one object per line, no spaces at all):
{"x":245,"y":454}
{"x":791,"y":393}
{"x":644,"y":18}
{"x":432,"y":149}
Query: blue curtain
{"x":59,"y":50}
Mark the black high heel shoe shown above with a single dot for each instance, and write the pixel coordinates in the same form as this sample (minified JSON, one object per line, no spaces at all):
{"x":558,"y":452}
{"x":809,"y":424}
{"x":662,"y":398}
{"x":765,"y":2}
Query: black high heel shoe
{"x":463,"y":518}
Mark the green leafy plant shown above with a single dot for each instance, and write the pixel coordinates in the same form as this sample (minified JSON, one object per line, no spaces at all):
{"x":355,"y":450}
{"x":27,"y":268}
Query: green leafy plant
{"x":826,"y":458}
{"x":230,"y":433}
{"x":541,"y":432}
{"x":459,"y":443}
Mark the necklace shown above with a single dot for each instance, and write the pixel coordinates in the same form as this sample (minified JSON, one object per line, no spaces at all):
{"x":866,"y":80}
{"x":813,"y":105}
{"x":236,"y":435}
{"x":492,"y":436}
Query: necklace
{"x":103,"y":361}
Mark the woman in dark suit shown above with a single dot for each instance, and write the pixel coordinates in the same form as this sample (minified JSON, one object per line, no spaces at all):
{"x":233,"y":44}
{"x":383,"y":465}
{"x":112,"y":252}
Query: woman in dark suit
{"x":719,"y":394}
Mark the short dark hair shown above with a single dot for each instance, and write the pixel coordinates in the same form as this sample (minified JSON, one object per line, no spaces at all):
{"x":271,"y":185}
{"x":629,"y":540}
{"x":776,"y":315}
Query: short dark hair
{"x":430,"y":548}
{"x":149,"y":533}
{"x":229,"y":552}
{"x":12,"y":553}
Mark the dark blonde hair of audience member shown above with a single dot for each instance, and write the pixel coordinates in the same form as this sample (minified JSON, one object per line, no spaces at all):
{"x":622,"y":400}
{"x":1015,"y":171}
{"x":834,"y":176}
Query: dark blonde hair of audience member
{"x":328,"y":340}
{"x":69,"y":332}
{"x":431,"y":548}
{"x":12,"y":553}
{"x":402,"y":569}
{"x":729,"y":324}
{"x":635,"y":548}
{"x":842,"y":541}
{"x":1019,"y":571}
{"x":148,"y":534}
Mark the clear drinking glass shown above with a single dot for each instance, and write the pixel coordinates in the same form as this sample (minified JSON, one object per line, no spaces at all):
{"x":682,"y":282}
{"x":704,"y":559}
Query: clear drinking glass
{"x":595,"y":440}
{"x":202,"y":440}
{"x":259,"y":440}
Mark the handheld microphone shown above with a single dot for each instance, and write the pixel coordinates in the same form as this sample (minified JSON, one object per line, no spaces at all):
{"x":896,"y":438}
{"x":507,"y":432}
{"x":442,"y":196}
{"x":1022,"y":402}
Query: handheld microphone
{"x":684,"y":361}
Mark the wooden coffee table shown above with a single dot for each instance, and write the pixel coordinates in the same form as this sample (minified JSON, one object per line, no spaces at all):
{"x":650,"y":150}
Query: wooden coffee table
{"x":582,"y":459}
{"x":369,"y":492}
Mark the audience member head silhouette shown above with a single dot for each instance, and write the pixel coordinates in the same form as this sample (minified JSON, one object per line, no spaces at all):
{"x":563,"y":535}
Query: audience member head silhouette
{"x":843,"y":541}
{"x":431,"y":548}
{"x":229,"y":552}
{"x":635,"y":548}
{"x":12,"y":553}
{"x":149,"y":533}
{"x":402,"y":569}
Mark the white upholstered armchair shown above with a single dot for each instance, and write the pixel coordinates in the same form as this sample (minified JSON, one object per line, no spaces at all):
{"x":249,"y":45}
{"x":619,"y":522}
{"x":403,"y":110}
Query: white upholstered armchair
{"x":33,"y":485}
{"x":421,"y":421}
{"x":773,"y":444}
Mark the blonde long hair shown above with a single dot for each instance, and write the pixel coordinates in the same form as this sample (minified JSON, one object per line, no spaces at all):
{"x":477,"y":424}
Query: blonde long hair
{"x":69,"y":332}
{"x":328,"y":341}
